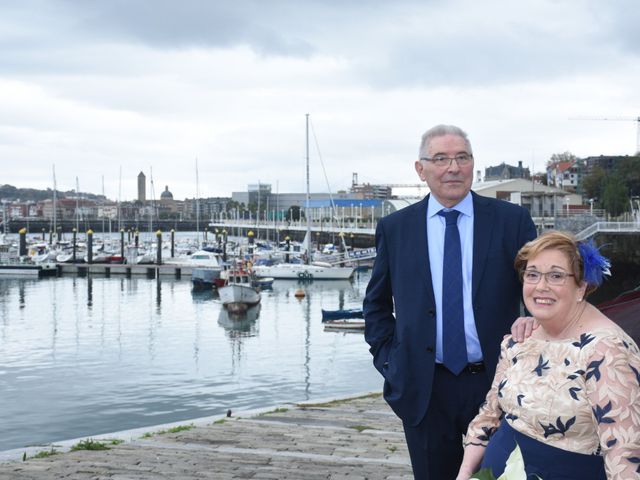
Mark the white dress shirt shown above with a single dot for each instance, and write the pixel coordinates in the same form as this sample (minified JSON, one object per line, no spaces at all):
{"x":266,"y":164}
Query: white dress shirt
{"x":436,"y":226}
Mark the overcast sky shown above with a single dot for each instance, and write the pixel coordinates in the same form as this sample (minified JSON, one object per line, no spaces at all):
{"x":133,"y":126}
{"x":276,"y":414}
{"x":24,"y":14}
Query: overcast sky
{"x":104,"y":89}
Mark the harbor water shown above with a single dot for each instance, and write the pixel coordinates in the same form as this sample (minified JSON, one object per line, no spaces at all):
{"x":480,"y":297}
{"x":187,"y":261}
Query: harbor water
{"x":82,"y":356}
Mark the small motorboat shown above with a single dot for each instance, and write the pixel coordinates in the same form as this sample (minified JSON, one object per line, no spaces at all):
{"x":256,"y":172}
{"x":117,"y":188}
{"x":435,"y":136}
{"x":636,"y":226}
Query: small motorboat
{"x":237,"y":294}
{"x":344,"y":313}
{"x":205,"y":277}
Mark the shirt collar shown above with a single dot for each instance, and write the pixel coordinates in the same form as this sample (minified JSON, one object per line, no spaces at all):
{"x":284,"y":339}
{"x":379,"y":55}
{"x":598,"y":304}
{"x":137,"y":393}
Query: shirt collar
{"x":465,"y":206}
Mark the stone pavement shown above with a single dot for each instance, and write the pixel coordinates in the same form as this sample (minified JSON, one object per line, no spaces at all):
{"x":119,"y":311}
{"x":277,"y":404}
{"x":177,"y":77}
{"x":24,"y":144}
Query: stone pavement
{"x":357,"y":438}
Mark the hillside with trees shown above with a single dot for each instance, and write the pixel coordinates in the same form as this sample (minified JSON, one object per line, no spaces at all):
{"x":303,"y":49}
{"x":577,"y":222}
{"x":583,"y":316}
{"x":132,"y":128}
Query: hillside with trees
{"x":11,"y":193}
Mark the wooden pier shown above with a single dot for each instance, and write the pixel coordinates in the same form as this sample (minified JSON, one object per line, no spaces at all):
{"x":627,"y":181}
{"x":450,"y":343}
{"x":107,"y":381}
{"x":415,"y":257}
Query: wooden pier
{"x":127,"y":270}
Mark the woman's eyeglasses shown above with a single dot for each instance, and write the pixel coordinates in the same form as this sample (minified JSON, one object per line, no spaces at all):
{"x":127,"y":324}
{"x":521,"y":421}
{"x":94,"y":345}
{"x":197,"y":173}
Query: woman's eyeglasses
{"x":553,"y":278}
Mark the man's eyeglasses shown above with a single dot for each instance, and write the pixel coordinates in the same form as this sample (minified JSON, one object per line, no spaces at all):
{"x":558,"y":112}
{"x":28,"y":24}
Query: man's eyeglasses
{"x":553,"y":278}
{"x":462,"y":159}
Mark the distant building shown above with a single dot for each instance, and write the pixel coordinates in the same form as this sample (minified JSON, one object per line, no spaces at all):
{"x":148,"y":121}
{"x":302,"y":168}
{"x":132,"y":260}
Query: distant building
{"x":540,"y":200}
{"x":506,"y":172}
{"x":208,"y":208}
{"x":142,"y":187}
{"x":258,"y":194}
{"x":565,"y":175}
{"x":167,"y":203}
{"x":368,"y":191}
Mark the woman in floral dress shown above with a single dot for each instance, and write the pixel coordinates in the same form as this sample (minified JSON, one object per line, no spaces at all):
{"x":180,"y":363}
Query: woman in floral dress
{"x":569,"y":395}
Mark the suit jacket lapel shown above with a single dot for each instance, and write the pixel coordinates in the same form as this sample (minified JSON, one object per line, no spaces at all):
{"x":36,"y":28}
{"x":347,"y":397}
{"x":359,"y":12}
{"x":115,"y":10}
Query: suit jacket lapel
{"x":418,"y":233}
{"x":483,"y":218}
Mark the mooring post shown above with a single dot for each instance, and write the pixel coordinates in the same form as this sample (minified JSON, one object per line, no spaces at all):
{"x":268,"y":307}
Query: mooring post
{"x":159,"y":250}
{"x":121,"y":245}
{"x":287,"y":240}
{"x":75,"y":233}
{"x":23,"y":242}
{"x":89,"y":246}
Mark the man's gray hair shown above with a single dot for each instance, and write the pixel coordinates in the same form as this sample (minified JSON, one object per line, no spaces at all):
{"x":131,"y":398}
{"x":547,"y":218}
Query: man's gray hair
{"x":440,"y":131}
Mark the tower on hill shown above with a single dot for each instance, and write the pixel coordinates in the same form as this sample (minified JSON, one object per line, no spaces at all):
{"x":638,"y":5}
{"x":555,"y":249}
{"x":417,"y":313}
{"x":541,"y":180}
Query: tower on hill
{"x":142,"y":187}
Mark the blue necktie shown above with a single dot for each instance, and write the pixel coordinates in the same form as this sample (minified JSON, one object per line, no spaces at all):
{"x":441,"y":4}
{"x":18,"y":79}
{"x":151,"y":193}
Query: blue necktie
{"x":454,"y":346}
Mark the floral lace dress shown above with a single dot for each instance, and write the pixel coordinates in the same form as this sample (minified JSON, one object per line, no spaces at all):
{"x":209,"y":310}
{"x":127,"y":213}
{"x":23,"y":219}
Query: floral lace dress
{"x":579,"y":395}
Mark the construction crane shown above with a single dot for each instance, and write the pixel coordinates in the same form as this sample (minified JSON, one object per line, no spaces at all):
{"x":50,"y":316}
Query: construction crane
{"x":621,"y":119}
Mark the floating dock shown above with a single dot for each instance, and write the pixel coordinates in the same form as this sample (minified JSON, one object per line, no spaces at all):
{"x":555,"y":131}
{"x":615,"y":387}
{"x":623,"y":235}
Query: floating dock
{"x":27,"y":270}
{"x":108,"y":269}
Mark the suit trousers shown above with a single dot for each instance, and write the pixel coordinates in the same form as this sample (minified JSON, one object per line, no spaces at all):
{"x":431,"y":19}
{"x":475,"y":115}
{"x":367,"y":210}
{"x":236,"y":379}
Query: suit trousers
{"x":435,"y":444}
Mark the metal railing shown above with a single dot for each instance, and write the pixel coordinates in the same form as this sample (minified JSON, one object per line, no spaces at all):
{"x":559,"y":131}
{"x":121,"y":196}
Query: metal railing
{"x":608,"y":227}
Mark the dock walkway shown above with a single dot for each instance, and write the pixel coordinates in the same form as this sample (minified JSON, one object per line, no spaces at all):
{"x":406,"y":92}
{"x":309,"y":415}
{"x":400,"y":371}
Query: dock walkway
{"x":357,"y":438}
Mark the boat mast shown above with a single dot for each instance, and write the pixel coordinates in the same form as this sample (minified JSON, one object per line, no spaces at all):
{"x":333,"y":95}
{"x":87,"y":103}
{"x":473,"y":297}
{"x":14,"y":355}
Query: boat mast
{"x":308,"y":235}
{"x":77,"y":206}
{"x":200,"y":244}
{"x":119,"y":198}
{"x":55,"y":202}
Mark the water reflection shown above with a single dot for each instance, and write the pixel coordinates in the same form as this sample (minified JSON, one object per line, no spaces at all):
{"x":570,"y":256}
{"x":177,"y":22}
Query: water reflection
{"x":89,"y":292}
{"x":203,"y":294}
{"x":240,"y":324}
{"x":158,"y":295}
{"x":83,"y":356}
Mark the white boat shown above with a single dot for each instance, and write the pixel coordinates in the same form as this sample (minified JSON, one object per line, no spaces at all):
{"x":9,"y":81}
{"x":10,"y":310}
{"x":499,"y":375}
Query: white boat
{"x":144,"y":258}
{"x":345,"y":325}
{"x":42,"y":253}
{"x":67,"y":257}
{"x":305,"y":271}
{"x":200,"y":258}
{"x":237,"y":294}
{"x":98,"y":257}
{"x":205,"y":277}
{"x":301,"y":271}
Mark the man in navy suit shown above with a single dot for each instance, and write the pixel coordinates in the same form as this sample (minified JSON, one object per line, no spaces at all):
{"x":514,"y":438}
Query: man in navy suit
{"x":406,"y":302}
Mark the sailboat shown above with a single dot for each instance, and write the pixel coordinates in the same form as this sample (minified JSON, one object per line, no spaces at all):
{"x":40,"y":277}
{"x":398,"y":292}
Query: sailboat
{"x":308,"y":270}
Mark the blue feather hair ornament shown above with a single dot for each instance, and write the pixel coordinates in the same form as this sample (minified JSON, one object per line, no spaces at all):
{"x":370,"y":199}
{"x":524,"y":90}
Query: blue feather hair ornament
{"x":595,"y":265}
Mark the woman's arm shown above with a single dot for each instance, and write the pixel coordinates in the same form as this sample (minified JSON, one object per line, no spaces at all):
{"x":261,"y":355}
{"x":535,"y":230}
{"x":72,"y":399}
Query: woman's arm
{"x":486,"y":422}
{"x":613,"y":392}
{"x":473,"y":455}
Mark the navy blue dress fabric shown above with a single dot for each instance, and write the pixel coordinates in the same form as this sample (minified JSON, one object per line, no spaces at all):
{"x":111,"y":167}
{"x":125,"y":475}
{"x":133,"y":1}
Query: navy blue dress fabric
{"x":545,"y":461}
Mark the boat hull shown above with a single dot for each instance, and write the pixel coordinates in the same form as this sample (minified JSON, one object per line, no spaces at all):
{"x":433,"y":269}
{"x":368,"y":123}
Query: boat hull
{"x":205,"y":277}
{"x":338,"y":314}
{"x":303,"y":272}
{"x":233,"y":296}
{"x":350,"y":325}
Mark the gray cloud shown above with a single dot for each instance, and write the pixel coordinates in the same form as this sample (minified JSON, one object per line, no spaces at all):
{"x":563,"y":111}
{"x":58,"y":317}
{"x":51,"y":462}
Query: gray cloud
{"x":386,"y":44}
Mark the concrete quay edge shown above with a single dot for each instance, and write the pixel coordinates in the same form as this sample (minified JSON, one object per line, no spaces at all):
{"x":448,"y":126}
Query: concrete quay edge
{"x":354,"y":437}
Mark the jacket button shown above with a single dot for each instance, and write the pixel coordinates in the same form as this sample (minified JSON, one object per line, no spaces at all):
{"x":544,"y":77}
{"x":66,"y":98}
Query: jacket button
{"x":430,"y":349}
{"x":431,"y":313}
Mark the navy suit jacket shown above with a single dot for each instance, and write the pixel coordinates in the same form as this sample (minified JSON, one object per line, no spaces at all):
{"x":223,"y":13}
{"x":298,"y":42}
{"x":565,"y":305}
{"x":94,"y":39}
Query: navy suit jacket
{"x":399,"y":306}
